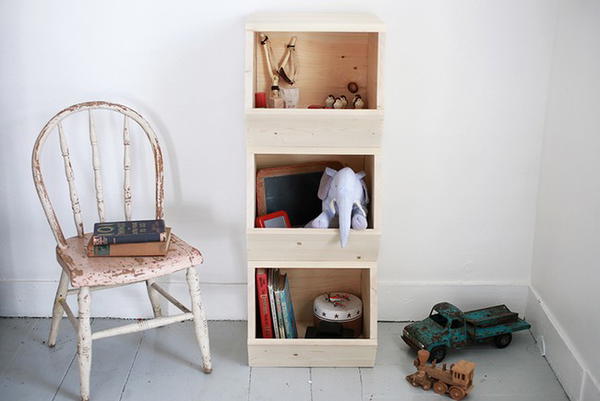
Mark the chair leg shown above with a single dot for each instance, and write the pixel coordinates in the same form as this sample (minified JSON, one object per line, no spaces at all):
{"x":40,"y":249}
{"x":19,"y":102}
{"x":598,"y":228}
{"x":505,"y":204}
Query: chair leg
{"x":200,"y":325}
{"x":84,"y":344}
{"x":154,"y":298}
{"x":57,"y":310}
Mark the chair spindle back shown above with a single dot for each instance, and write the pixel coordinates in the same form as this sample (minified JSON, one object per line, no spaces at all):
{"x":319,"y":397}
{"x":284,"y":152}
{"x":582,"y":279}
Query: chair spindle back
{"x":56,"y":122}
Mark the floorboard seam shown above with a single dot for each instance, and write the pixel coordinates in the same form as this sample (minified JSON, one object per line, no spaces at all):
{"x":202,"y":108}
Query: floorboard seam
{"x":131,"y":366}
{"x":249,"y":381}
{"x":62,"y":380}
{"x":310,"y":384}
{"x":362,"y":392}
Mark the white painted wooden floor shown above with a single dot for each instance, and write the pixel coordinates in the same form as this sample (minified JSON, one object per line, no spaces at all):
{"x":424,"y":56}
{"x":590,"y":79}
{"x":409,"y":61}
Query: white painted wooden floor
{"x":163,"y":364}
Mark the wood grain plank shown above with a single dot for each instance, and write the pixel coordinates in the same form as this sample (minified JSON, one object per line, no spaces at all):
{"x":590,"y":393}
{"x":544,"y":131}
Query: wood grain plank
{"x":314,"y":22}
{"x":168,"y":366}
{"x":314,"y":128}
{"x":112,"y":359}
{"x":290,"y":384}
{"x":396,"y":352}
{"x":12,"y":335}
{"x":335,"y":384}
{"x":37,"y":371}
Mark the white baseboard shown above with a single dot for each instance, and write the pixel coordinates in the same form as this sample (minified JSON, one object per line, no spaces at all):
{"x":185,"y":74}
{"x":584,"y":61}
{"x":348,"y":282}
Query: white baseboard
{"x":412,"y":300}
{"x":34,"y":299}
{"x":568,"y":365}
{"x":398,"y":301}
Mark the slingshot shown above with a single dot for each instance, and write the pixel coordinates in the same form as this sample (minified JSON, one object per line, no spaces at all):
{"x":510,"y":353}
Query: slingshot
{"x":287,"y":69}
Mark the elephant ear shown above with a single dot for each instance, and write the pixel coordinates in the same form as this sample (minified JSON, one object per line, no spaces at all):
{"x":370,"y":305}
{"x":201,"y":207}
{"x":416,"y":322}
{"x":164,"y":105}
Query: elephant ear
{"x":361,"y":177}
{"x":325,"y":183}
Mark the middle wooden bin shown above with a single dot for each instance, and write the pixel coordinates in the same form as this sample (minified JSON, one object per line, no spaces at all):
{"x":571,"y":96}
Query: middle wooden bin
{"x":308,"y":244}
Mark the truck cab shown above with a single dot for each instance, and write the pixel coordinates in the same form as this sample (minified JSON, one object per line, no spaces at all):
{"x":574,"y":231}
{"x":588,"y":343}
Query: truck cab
{"x":453,"y":320}
{"x":445,"y":327}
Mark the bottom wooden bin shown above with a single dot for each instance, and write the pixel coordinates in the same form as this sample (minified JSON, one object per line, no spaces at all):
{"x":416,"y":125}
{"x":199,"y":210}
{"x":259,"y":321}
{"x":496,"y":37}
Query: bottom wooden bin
{"x":308,"y":280}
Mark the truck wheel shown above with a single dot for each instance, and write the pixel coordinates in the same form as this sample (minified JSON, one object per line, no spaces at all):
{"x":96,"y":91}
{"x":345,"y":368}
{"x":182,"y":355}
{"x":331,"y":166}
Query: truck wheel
{"x":457,"y":393}
{"x":503,"y":340}
{"x":437,"y":354}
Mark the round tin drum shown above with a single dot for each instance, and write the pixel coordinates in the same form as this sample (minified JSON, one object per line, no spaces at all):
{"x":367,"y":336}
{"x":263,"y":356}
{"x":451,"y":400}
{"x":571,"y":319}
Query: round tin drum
{"x":339,"y":307}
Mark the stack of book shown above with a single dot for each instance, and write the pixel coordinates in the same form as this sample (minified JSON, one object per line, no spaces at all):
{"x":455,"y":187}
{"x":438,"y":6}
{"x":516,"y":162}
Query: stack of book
{"x":130,"y":238}
{"x":275,"y":307}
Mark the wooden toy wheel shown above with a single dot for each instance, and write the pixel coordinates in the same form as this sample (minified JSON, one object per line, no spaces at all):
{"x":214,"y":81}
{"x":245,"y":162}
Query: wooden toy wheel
{"x":440,"y":388}
{"x":457,"y":393}
{"x":426,"y":386}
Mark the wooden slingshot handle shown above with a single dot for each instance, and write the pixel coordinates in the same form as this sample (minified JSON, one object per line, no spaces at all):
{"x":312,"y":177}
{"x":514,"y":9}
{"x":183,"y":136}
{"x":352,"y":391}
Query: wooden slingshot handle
{"x":265,"y":43}
{"x":288,"y":52}
{"x":289,"y":74}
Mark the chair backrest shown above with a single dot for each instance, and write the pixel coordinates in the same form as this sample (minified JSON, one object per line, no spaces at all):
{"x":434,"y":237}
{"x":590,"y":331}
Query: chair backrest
{"x":56,"y":122}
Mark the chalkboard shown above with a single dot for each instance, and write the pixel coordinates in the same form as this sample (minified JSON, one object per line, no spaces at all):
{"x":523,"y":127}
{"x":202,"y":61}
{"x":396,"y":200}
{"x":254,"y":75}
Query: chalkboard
{"x":296,"y":194}
{"x":292,"y":189}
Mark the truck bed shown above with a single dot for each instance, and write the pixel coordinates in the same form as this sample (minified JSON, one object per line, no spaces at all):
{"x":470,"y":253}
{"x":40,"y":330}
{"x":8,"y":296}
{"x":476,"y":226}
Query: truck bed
{"x":482,"y":333}
{"x":492,"y":316}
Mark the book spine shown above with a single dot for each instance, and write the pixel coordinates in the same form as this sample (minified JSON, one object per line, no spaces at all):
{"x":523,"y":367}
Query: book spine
{"x":288,"y":312}
{"x":279,"y":314}
{"x":263,"y":303}
{"x":272,"y":302}
{"x":129,"y":238}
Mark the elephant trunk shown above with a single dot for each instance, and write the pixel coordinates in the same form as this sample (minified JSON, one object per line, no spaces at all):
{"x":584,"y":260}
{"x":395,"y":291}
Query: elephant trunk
{"x":345,"y":217}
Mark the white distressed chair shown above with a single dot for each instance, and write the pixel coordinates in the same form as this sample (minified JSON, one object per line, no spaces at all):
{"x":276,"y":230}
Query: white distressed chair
{"x":89,"y":274}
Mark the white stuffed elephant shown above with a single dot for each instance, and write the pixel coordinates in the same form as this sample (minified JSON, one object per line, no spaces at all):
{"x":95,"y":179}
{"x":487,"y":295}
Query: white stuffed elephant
{"x":344,"y":193}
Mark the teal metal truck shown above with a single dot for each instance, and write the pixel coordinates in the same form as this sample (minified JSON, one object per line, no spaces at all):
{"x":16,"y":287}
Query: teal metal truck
{"x":448,"y":327}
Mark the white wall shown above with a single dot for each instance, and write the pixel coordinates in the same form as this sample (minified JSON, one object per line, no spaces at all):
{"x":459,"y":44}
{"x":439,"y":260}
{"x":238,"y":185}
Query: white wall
{"x":465,"y":89}
{"x":565,"y":275}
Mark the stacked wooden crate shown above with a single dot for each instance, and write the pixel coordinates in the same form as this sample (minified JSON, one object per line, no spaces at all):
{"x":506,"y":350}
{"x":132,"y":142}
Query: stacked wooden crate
{"x":333,"y":50}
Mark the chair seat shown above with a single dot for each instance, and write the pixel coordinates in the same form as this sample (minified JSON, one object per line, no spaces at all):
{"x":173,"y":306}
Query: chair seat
{"x":87,"y":271}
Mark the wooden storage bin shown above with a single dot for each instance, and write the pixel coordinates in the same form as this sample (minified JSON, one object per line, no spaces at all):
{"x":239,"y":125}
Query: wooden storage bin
{"x":327,"y":62}
{"x":307,"y":281}
{"x":308,"y":243}
{"x":332,"y":50}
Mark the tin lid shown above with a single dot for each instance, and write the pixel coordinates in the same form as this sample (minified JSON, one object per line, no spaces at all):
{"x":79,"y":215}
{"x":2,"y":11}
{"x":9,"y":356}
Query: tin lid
{"x":337,"y":307}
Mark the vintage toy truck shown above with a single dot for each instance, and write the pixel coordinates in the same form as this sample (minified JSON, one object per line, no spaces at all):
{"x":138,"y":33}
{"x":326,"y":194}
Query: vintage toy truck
{"x":448,"y":327}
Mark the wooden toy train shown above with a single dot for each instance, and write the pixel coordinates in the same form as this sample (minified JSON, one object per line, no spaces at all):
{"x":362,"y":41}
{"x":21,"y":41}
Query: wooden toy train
{"x":456,"y":381}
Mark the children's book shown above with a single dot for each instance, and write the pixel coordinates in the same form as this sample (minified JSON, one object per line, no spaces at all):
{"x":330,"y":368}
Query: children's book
{"x":264,"y":309}
{"x":270,"y":279}
{"x":277,"y":290}
{"x":283,"y":303}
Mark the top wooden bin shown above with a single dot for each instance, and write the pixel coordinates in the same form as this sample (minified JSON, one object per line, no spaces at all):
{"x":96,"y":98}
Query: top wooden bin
{"x":331,"y":51}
